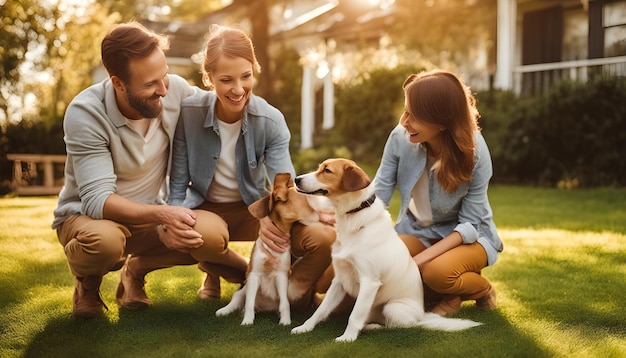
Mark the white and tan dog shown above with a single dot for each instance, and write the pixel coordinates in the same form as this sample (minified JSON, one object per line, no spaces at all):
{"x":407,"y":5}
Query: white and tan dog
{"x":266,"y":287}
{"x":371,"y":262}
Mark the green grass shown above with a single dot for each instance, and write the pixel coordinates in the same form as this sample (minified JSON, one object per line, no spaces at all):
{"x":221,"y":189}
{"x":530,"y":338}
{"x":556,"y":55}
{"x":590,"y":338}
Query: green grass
{"x":560,"y":281}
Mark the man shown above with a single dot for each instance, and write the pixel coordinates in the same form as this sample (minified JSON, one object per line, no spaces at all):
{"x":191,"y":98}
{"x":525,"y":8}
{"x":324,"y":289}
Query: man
{"x":111,"y":213}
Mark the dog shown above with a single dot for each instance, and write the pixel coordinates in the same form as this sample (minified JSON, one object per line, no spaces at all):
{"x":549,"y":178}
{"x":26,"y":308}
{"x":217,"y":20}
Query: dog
{"x":371,"y":262}
{"x":266,"y":286}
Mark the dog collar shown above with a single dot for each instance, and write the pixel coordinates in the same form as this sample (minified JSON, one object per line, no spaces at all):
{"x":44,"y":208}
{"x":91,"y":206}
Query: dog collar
{"x":365,"y":204}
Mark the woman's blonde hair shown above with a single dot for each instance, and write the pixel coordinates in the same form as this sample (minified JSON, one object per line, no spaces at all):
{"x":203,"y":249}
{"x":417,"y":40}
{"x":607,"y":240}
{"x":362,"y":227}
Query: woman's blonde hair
{"x":228,"y":41}
{"x":439,"y":97}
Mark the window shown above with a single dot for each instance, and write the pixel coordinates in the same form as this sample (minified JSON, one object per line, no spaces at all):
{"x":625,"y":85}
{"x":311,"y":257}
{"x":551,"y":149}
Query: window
{"x":575,"y":34}
{"x":614,"y":24}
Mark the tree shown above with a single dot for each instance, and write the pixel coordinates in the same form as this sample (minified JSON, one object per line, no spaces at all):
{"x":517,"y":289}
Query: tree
{"x":447,"y":32}
{"x":23,"y":24}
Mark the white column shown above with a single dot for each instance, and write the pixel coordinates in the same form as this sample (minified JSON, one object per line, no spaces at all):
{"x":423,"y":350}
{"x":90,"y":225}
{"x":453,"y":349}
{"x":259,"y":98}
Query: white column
{"x":329,"y":102}
{"x":505,"y":46}
{"x":308,"y":108}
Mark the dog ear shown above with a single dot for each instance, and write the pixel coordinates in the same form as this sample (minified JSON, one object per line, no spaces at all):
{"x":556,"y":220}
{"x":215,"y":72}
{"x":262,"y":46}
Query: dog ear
{"x":354,"y":178}
{"x":260,"y":208}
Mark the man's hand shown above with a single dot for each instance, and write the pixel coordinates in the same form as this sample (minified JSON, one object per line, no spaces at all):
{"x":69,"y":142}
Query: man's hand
{"x":176,"y":229}
{"x":180,"y":240}
{"x":272,"y":237}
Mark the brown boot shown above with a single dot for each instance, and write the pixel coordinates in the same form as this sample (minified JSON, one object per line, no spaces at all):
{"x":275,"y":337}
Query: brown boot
{"x":130,"y":291}
{"x":210,"y":289}
{"x":488,"y":301}
{"x":448,"y":306}
{"x":87,"y":302}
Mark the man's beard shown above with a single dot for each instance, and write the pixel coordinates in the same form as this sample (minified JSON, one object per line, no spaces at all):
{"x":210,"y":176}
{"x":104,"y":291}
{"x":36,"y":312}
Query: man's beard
{"x":147,"y":110}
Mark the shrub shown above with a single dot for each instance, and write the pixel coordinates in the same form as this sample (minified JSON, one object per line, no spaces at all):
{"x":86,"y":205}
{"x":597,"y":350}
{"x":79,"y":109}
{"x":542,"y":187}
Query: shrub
{"x":575,"y":133}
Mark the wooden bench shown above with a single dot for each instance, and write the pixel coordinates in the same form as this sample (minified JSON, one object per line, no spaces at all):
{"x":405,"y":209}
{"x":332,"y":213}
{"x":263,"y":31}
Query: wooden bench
{"x":37,"y":174}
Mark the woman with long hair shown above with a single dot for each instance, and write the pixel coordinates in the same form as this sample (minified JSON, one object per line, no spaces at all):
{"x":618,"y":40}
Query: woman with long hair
{"x":440,"y":163}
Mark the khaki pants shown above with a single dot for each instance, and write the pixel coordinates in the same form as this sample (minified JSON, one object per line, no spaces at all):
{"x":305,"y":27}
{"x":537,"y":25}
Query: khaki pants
{"x":94,"y":247}
{"x":310,"y":244}
{"x":455,"y":272}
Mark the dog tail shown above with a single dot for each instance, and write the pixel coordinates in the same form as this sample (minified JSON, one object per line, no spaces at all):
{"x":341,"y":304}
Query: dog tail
{"x":434,"y":321}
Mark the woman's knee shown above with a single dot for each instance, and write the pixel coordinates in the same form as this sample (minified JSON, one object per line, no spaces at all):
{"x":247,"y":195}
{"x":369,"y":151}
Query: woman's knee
{"x":412,"y":243}
{"x":312,"y":238}
{"x":439,"y":274}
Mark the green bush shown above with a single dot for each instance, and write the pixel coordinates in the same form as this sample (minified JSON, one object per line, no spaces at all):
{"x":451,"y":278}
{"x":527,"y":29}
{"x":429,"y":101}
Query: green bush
{"x":496,"y":108}
{"x":573,"y":134}
{"x":367,"y":109}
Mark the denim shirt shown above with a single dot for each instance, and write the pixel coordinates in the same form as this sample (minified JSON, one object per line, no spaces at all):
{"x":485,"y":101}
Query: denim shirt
{"x":262,"y":150}
{"x":466,"y":211}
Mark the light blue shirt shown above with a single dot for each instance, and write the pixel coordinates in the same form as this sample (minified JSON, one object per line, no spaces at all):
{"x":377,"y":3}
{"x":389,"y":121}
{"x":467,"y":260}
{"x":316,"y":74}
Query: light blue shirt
{"x":261,"y":152}
{"x":466,"y":211}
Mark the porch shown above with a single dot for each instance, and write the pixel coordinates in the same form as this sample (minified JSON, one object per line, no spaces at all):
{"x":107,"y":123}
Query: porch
{"x":538,"y":78}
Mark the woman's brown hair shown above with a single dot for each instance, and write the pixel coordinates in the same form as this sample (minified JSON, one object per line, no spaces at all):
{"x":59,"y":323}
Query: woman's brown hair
{"x":230,"y":42}
{"x":126,"y":42}
{"x":439,"y":97}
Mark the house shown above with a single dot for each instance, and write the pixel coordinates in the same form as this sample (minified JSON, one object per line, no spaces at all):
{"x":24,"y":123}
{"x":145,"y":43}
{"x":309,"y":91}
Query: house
{"x":541,"y":42}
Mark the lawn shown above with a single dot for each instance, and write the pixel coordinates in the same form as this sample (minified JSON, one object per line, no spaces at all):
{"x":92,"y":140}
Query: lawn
{"x":560,"y":283}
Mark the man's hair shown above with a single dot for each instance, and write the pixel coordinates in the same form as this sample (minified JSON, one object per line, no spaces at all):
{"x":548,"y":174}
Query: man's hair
{"x":126,"y":42}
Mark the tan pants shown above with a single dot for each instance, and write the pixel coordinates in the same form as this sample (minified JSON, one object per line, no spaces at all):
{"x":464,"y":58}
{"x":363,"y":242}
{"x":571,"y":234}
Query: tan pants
{"x":94,"y":247}
{"x":310,"y":244}
{"x":455,"y":272}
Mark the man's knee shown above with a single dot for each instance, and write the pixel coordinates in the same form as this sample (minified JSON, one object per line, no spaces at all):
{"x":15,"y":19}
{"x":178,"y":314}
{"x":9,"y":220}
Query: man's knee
{"x":213,"y":229}
{"x":95,"y":247}
{"x":210,"y":224}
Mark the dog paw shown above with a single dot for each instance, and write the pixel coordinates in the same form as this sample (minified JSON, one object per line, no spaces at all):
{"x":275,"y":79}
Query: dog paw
{"x":346,"y":338}
{"x":371,"y":326}
{"x":222,"y":312}
{"x":301,"y":329}
{"x":247,"y":322}
{"x":284,"y":321}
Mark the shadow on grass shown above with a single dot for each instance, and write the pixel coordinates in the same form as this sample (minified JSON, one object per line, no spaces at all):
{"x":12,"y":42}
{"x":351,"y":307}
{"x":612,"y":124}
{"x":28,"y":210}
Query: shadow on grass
{"x":191,"y":329}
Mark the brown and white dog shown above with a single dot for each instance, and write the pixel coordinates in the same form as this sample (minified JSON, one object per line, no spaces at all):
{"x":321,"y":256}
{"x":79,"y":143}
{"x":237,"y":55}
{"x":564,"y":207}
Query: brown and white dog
{"x":268,"y":271}
{"x":371,"y":262}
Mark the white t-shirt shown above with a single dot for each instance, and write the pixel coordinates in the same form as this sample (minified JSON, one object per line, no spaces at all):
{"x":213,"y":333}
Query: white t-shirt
{"x":419,"y":205}
{"x":224,"y":187}
{"x":148,"y":148}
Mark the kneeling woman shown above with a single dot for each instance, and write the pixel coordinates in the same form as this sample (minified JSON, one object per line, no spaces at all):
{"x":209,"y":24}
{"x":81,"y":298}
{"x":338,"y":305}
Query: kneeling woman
{"x":441,"y":166}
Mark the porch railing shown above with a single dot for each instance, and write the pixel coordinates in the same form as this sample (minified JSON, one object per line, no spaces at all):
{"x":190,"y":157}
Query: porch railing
{"x":538,"y":78}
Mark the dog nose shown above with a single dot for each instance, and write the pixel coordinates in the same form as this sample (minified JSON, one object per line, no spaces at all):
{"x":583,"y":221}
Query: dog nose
{"x":297,"y":180}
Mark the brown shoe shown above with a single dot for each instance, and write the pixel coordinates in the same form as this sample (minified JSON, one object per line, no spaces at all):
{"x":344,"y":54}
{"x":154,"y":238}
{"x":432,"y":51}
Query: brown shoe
{"x":488,"y":301}
{"x":448,"y":306}
{"x":210,"y":289}
{"x":87,"y":302}
{"x":130,"y":291}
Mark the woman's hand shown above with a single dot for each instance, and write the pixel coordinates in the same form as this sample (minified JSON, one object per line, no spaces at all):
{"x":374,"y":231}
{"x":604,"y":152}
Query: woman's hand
{"x":327,"y":217}
{"x":272,"y":237}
